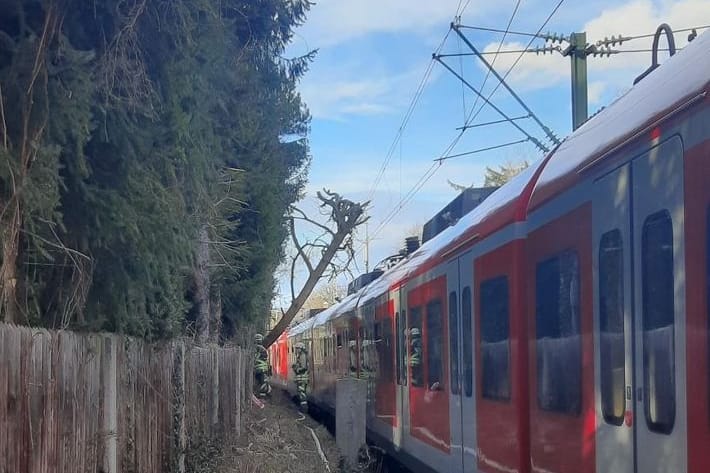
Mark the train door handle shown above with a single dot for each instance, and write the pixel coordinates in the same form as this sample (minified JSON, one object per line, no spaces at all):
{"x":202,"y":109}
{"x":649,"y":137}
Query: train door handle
{"x":639,"y":394}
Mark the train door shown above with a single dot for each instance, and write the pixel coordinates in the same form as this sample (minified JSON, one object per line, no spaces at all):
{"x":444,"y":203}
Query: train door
{"x":402,"y":409}
{"x":428,"y":387}
{"x":455,"y":408}
{"x":467,"y":374}
{"x":639,"y":315}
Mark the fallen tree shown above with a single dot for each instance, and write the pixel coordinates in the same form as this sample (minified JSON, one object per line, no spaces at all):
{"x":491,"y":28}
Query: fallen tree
{"x":336,"y":237}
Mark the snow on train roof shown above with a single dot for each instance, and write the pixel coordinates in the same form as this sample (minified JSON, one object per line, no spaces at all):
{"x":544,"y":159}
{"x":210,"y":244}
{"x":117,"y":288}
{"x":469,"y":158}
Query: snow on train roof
{"x":502,"y":197}
{"x":678,"y":79}
{"x":302,"y":327}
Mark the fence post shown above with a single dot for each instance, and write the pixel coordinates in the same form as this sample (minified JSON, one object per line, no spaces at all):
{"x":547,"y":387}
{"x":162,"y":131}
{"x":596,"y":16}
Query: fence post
{"x":215,"y":390}
{"x":110,"y":417}
{"x":240,"y":382}
{"x":179,"y":427}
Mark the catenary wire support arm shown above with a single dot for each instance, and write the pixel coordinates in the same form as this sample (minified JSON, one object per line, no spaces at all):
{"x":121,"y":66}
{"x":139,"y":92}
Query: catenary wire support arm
{"x":481,"y":150}
{"x":542,"y":50}
{"x":547,"y":131}
{"x":494,"y":122}
{"x":534,"y":140}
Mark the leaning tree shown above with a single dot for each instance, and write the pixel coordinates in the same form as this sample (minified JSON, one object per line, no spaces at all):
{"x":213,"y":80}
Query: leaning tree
{"x":319,"y":254}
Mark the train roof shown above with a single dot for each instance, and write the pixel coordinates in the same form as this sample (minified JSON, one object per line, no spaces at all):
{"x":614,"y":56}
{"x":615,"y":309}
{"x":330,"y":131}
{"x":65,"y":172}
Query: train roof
{"x":302,"y":327}
{"x":678,"y":82}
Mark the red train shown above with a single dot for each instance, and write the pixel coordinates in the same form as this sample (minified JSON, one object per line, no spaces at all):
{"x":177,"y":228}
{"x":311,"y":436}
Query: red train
{"x":564,"y":321}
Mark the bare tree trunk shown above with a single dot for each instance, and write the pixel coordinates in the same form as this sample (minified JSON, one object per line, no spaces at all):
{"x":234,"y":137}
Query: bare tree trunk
{"x":8,"y":270}
{"x":216,"y":312}
{"x":313,"y":278}
{"x":202,"y":286}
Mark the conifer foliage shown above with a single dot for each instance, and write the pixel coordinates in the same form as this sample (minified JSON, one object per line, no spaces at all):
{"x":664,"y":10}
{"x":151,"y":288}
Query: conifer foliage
{"x":149,"y":150}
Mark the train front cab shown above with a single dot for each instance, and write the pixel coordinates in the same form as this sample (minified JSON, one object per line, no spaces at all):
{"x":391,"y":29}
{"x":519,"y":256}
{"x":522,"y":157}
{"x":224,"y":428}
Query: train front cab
{"x":617,"y":269}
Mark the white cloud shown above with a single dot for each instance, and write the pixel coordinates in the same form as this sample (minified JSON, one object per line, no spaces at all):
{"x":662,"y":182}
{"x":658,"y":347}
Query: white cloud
{"x":533,"y":71}
{"x":343,"y":91}
{"x":631,"y":19}
{"x":336,"y":95}
{"x":595,"y":90}
{"x":335,"y":21}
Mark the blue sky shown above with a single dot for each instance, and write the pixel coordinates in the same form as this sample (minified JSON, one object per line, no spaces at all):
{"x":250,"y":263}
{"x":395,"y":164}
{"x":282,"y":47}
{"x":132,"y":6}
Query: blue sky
{"x":372,"y":56}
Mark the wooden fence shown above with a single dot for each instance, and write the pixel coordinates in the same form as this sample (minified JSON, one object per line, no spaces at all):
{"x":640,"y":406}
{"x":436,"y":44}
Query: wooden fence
{"x":97,"y":403}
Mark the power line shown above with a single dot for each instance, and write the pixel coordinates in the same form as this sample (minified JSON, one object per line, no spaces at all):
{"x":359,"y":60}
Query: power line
{"x":510,"y":69}
{"x":407,"y":116}
{"x":505,"y":31}
{"x":502,"y":81}
{"x":494,"y":122}
{"x":460,"y":12}
{"x":650,"y":35}
{"x":437,"y":164}
{"x":486,"y":101}
{"x":463,"y":89}
{"x":481,"y":150}
{"x":543,"y":50}
{"x":500,"y":46}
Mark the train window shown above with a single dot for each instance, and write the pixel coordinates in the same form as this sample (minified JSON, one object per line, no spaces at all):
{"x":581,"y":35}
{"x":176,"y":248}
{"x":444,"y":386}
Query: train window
{"x":658,"y":322}
{"x":495,"y":339}
{"x":415,"y":347}
{"x":467,"y":325}
{"x":378,"y":331}
{"x":386,"y":361}
{"x":339,"y":342}
{"x":559,"y":347}
{"x":611,"y":327}
{"x":454,"y":342}
{"x":435,"y":344}
{"x":401,"y":328}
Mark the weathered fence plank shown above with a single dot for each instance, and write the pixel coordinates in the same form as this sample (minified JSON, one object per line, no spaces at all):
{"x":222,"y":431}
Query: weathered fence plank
{"x":87,"y":403}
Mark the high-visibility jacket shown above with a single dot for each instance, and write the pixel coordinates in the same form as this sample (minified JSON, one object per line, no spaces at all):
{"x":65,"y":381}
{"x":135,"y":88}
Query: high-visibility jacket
{"x":261,"y":360}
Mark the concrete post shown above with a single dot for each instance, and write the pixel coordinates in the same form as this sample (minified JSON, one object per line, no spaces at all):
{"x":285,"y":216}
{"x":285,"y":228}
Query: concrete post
{"x":350,"y":414}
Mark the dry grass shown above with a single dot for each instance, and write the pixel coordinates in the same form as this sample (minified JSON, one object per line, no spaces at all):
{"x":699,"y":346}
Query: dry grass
{"x":276,"y":439}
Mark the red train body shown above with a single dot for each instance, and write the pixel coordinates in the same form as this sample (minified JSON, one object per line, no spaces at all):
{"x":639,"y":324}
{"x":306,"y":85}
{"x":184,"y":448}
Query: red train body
{"x":564,"y":321}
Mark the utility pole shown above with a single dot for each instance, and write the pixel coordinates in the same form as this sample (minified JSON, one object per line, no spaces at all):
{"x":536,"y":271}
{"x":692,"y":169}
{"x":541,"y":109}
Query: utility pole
{"x":577,"y":51}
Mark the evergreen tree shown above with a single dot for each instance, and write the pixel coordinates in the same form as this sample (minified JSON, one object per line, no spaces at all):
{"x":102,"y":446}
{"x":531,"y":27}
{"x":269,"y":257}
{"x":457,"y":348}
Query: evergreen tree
{"x":152,"y":130}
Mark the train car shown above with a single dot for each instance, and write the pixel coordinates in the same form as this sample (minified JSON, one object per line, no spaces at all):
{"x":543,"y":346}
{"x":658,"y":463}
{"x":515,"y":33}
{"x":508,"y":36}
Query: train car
{"x":565,"y":321}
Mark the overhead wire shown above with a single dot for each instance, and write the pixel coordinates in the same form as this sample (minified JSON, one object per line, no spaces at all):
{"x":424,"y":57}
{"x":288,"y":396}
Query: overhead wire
{"x":463,"y":89}
{"x":481,"y":150}
{"x":497,"y":30}
{"x":438,"y":162}
{"x":650,"y":35}
{"x":407,"y":116}
{"x":517,"y":60}
{"x":500,"y":46}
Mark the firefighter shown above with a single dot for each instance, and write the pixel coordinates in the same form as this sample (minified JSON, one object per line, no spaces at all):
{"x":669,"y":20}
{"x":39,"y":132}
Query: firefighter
{"x":300,"y":370}
{"x":262,"y":369}
{"x":415,"y":355}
